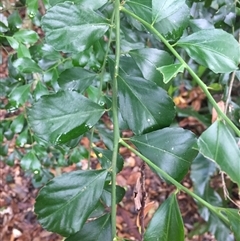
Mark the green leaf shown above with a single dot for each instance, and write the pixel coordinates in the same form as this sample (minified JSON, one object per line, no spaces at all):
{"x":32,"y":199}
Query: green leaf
{"x":63,"y":116}
{"x":30,"y":162}
{"x":201,"y":171}
{"x":20,"y":94}
{"x":105,"y":158}
{"x":219,"y":229}
{"x":73,"y":32}
{"x":170,"y":71}
{"x":3,"y":23}
{"x":26,"y":65}
{"x":13,"y":42}
{"x":17,"y":124}
{"x":86,"y":3}
{"x":167,"y":223}
{"x":23,"y":51}
{"x":107,"y":193}
{"x":148,"y":59}
{"x":32,"y":7}
{"x":170,"y":17}
{"x":170,"y":149}
{"x":26,"y":36}
{"x":22,"y":138}
{"x":213,"y":48}
{"x":97,"y":230}
{"x":40,"y":90}
{"x":218,"y":144}
{"x":143,"y":105}
{"x":65,"y":203}
{"x":76,"y":78}
{"x":234,"y":218}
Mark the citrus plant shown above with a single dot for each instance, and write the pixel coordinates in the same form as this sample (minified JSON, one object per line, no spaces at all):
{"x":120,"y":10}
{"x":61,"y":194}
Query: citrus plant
{"x":124,"y":60}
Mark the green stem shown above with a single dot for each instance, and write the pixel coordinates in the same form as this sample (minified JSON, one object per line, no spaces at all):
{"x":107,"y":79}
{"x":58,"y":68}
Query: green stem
{"x":116,"y":135}
{"x":192,"y":73}
{"x":177,"y":184}
{"x":101,"y":84}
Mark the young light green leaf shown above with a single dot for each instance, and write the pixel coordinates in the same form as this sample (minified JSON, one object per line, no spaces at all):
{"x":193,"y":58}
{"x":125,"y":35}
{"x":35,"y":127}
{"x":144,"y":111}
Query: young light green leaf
{"x":63,"y":116}
{"x":73,"y":32}
{"x":170,"y":71}
{"x":76,"y":78}
{"x":148,"y":59}
{"x":65,"y":203}
{"x":143,"y":105}
{"x":169,"y":148}
{"x":96,"y":230}
{"x":32,"y":7}
{"x":213,"y":48}
{"x":167,"y":223}
{"x":218,"y":144}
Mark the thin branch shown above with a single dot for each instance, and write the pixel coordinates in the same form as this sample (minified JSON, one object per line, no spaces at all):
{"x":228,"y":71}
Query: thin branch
{"x":213,"y":209}
{"x":143,"y":190}
{"x":116,"y":134}
{"x":190,"y":70}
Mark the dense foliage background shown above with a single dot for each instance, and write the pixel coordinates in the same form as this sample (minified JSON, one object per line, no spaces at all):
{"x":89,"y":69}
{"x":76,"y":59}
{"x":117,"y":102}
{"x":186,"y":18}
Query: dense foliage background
{"x":159,"y":79}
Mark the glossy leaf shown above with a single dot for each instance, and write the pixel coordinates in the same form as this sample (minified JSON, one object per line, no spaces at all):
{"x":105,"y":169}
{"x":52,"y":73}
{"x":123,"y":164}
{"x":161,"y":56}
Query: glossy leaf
{"x":234,"y":218}
{"x":40,"y":90}
{"x":76,"y":78}
{"x":105,"y":158}
{"x":86,"y":3}
{"x":170,"y":71}
{"x":201,"y":171}
{"x":213,"y":48}
{"x":143,"y":105}
{"x":26,"y":65}
{"x":13,"y":42}
{"x":17,"y":124}
{"x":107,"y":193}
{"x":167,"y":223}
{"x":73,"y":32}
{"x":219,"y":229}
{"x":23,"y":51}
{"x":30,"y":162}
{"x":148,"y":60}
{"x":32,"y":7}
{"x":3,"y":23}
{"x":26,"y":36}
{"x":66,"y":116}
{"x":96,"y":230}
{"x":170,"y":149}
{"x":218,"y":144}
{"x":20,"y":94}
{"x":22,"y":138}
{"x":65,"y":203}
{"x":169,"y":17}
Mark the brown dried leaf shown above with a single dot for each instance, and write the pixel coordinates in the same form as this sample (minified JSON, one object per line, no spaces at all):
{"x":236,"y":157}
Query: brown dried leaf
{"x":138,"y":195}
{"x":221,"y":105}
